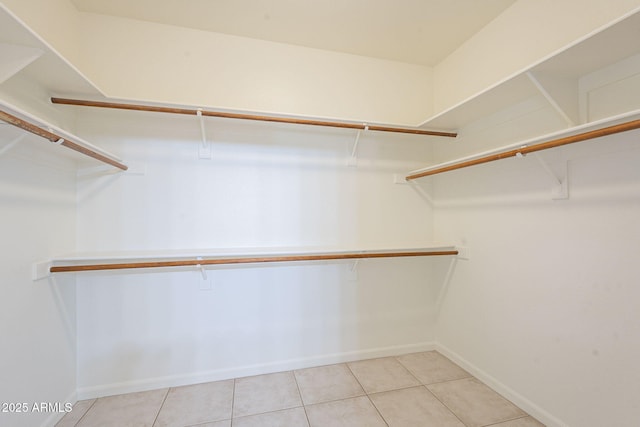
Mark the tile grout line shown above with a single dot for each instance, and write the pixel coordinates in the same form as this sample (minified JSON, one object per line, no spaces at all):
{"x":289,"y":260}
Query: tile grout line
{"x":233,"y":402}
{"x":85,"y":412}
{"x":304,"y":407}
{"x":155,"y":419}
{"x":432,"y":393}
{"x":397,"y":359}
{"x":490,"y":388}
{"x":403,"y":388}
{"x":377,"y":410}
{"x":444,"y":404}
{"x":366,"y":395}
{"x":269,"y":411}
{"x":510,"y":419}
{"x":354,"y":376}
{"x":449,"y":381}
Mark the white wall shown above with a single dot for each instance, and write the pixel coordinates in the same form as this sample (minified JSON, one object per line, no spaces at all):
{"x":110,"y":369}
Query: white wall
{"x":548,"y":303}
{"x":265,"y":186}
{"x":37,"y":319}
{"x":162,"y":63}
{"x":546,"y":309}
{"x":55,"y":21}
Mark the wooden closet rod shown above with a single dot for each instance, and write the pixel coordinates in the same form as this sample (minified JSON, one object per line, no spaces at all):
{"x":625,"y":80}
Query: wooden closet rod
{"x":610,"y":130}
{"x":171,"y":110}
{"x":29,"y":127}
{"x":246,"y":260}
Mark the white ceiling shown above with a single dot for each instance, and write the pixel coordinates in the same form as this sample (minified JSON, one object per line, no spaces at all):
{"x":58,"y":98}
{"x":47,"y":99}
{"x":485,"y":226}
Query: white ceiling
{"x":414,"y":31}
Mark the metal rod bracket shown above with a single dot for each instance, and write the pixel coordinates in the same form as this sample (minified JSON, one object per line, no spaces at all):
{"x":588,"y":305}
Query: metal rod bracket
{"x":353,"y":160}
{"x":204,"y":152}
{"x":560,"y":185}
{"x":201,"y":268}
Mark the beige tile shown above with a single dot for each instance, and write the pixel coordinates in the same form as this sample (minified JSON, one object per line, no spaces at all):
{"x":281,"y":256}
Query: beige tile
{"x":225,"y":423}
{"x":355,"y":412}
{"x":413,"y":407}
{"x":327,"y":383}
{"x":432,"y":367}
{"x":195,"y":404}
{"x":520,"y":422}
{"x":265,"y":393}
{"x":385,"y":374}
{"x":295,"y":417}
{"x":133,"y":409}
{"x":79,"y":409}
{"x":475,"y":403}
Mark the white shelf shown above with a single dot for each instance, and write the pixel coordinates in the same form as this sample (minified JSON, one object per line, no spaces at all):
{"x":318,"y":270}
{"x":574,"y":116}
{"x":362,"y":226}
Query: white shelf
{"x":205,"y":258}
{"x":575,"y":130}
{"x":602,"y":49}
{"x":48,"y":70}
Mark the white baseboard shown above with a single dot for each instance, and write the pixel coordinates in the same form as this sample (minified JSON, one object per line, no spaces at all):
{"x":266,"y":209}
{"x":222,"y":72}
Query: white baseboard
{"x":522,"y":402}
{"x":248,"y":370}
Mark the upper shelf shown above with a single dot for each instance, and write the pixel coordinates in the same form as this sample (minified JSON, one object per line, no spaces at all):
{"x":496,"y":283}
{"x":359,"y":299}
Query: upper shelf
{"x":241,"y":116}
{"x":49,"y":71}
{"x":557,"y":74}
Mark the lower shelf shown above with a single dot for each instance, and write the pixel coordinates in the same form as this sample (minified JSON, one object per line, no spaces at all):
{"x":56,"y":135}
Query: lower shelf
{"x":142,"y":260}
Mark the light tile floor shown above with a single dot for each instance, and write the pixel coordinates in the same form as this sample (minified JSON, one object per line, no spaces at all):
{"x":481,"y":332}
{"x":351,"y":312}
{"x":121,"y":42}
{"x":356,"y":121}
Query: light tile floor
{"x":419,"y":389}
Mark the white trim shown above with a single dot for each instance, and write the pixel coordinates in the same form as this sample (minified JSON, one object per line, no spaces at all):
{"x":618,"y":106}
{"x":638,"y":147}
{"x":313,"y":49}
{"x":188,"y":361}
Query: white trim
{"x":248,"y":370}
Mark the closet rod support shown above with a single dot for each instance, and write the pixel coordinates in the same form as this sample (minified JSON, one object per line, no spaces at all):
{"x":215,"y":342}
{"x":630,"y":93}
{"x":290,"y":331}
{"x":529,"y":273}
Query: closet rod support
{"x":353,"y":160}
{"x":204,"y":151}
{"x":560,"y":189}
{"x":201,"y":268}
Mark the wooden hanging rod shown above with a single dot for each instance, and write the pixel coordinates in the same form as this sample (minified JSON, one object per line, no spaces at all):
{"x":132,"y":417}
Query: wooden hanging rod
{"x":187,"y":111}
{"x":246,"y":260}
{"x":610,"y":130}
{"x":29,"y":127}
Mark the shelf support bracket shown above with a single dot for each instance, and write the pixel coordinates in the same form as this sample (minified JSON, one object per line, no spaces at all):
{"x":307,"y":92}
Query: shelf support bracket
{"x":560,"y":186}
{"x":205,"y":149}
{"x":201,"y":268}
{"x":400,"y":179}
{"x":560,"y":189}
{"x":353,"y":159}
{"x":550,"y":99}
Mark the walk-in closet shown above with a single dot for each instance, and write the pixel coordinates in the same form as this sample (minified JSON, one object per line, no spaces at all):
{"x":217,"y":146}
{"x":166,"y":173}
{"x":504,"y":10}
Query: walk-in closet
{"x":272,"y":213}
